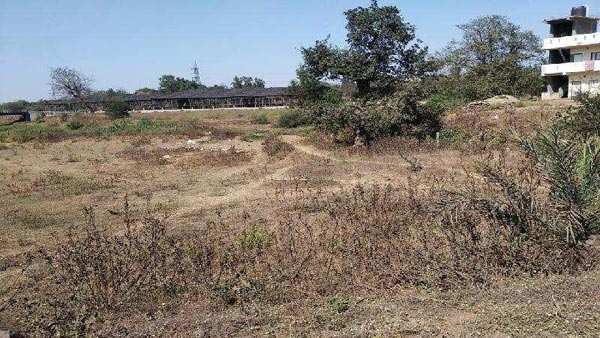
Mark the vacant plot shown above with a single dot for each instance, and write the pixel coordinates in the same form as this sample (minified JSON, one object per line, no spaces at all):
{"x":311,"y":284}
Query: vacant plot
{"x":219,"y":223}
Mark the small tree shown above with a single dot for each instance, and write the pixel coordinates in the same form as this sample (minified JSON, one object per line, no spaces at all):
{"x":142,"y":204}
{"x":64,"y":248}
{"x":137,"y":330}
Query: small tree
{"x":67,"y":82}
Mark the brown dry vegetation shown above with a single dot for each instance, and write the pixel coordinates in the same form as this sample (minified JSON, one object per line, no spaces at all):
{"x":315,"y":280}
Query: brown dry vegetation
{"x":222,"y":226}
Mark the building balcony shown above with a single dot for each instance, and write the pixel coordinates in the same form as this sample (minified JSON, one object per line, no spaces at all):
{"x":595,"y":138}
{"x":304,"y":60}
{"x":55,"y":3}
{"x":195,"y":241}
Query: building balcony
{"x":572,"y":41}
{"x":570,"y":67}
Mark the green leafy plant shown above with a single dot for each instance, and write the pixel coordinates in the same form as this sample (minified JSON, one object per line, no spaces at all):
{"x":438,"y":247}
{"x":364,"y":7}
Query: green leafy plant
{"x":395,"y":115}
{"x":339,"y":304}
{"x":117,"y":109}
{"x":443,"y":103}
{"x":293,"y":119}
{"x":260,"y":118}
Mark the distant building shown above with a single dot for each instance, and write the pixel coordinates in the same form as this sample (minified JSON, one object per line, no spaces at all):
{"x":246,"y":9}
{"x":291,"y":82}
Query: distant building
{"x":573,"y":49}
{"x":210,"y":98}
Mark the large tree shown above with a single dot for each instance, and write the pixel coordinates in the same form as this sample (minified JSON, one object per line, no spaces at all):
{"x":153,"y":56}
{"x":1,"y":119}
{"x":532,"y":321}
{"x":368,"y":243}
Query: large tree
{"x":70,"y":83}
{"x":494,"y":57}
{"x":382,"y":50}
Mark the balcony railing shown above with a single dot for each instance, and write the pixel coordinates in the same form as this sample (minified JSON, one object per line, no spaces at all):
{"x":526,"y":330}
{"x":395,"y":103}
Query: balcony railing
{"x":572,"y":41}
{"x":570,"y":67}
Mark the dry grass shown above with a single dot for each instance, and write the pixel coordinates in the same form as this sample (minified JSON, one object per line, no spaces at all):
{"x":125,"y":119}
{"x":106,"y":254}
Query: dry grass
{"x":274,"y":147}
{"x":236,"y":235}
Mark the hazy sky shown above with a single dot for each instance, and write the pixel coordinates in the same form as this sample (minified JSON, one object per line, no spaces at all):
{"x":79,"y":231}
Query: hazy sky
{"x":128,"y":44}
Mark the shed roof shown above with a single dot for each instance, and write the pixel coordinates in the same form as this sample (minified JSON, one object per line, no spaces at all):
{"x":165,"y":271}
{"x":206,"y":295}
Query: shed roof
{"x":208,"y":93}
{"x":215,"y":93}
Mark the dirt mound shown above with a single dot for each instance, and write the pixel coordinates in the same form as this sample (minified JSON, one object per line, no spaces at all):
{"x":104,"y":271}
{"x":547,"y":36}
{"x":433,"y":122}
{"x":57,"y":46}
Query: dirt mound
{"x":500,"y":100}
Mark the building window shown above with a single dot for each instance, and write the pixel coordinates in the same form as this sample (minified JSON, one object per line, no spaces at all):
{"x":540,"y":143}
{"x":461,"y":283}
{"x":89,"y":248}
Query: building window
{"x":578,"y":57}
{"x":595,"y":56}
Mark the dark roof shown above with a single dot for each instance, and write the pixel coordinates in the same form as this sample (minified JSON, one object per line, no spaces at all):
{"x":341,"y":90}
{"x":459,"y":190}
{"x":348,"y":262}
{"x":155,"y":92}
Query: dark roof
{"x":213,"y":93}
{"x":208,"y":93}
{"x":570,"y":19}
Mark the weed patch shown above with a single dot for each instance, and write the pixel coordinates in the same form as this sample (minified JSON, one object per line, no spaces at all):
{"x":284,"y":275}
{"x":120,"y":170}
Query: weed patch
{"x":260,"y":118}
{"x":274,"y":147}
{"x":56,"y":182}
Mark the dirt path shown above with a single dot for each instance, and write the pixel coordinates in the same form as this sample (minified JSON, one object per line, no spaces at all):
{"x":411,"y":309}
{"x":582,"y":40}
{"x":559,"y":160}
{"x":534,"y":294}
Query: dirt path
{"x":296,"y":141}
{"x":195,"y":200}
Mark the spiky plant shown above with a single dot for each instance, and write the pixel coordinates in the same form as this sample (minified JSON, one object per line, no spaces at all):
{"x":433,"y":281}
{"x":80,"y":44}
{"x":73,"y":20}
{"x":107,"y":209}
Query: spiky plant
{"x":572,"y":170}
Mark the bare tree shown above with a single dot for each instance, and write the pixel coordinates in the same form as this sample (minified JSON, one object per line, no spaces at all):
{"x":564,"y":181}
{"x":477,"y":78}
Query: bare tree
{"x":71,"y":83}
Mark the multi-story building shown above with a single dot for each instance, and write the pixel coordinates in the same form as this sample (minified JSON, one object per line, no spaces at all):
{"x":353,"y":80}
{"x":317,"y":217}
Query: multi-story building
{"x":573,"y":55}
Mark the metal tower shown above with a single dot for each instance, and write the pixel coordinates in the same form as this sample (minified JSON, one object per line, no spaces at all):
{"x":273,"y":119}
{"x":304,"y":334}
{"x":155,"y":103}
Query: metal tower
{"x":196,"y":73}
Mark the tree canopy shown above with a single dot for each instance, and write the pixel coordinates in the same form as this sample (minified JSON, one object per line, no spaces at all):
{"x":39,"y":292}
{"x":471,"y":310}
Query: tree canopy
{"x":67,"y":82}
{"x":70,"y":83}
{"x":110,"y":94}
{"x":171,"y":84}
{"x":382,"y":50}
{"x":493,"y":57}
{"x":14,"y":106}
{"x":247,"y":82}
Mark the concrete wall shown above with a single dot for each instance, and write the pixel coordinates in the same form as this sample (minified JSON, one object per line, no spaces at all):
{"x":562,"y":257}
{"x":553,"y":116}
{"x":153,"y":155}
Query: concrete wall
{"x":570,"y":68}
{"x":570,"y":41}
{"x":587,"y":51}
{"x":589,"y":82}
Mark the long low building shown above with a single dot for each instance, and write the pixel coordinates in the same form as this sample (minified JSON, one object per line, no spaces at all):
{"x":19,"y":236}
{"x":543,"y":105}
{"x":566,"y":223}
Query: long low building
{"x":210,"y":98}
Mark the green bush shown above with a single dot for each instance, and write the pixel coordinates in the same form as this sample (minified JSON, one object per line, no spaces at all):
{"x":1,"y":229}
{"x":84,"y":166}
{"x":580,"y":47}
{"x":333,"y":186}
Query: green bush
{"x":442,"y":103}
{"x":293,"y":119}
{"x":117,"y":109}
{"x":75,"y":124}
{"x":395,"y":115}
{"x":452,"y":136}
{"x":260,"y":118}
{"x":15,"y":106}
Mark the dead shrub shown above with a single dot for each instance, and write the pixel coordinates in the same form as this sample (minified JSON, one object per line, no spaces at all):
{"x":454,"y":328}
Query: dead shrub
{"x":97,"y":271}
{"x":274,"y":147}
{"x":385,"y":236}
{"x":368,"y":238}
